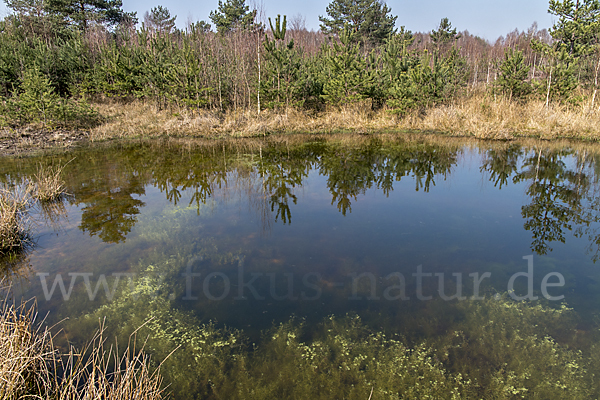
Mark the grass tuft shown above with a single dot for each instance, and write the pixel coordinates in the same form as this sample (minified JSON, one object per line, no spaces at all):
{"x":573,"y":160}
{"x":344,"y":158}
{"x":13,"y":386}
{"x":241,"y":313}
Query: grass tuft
{"x":31,"y":367}
{"x":49,"y":185}
{"x":24,"y":352}
{"x":14,"y":221}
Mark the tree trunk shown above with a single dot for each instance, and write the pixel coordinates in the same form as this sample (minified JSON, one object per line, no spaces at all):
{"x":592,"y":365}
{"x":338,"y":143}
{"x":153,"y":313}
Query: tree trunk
{"x":548,"y":91}
{"x":596,"y":82}
{"x":258,"y":90}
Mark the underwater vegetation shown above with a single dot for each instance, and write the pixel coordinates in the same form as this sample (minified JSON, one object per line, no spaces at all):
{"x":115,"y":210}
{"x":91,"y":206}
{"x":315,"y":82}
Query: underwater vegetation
{"x":494,"y":349}
{"x":498,"y":349}
{"x":147,"y":213}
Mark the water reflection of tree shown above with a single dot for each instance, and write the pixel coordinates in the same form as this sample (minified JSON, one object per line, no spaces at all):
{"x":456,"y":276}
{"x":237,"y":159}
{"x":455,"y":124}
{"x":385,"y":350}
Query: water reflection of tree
{"x":275,"y":173}
{"x":428,"y":161}
{"x":109,"y":184}
{"x":174,"y":173}
{"x":109,"y":206}
{"x":281,"y":173}
{"x":501,"y":163}
{"x":352,"y":171}
{"x":590,"y":213}
{"x":555,"y":193}
{"x":562,"y":197}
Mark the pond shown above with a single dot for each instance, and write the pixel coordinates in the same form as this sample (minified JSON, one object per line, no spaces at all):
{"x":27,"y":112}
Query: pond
{"x":329,"y":266}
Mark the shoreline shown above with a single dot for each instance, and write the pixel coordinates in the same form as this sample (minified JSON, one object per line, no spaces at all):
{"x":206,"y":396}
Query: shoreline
{"x":478,"y":117}
{"x":28,"y":140}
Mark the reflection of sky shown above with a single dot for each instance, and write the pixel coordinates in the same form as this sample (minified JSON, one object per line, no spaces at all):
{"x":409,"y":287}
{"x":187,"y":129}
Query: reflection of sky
{"x":488,"y":19}
{"x":462,"y":224}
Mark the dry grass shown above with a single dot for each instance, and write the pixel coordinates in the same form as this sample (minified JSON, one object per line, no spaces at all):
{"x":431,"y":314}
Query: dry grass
{"x":102,"y":374}
{"x":49,"y":185}
{"x":31,"y":367}
{"x":142,"y":120}
{"x":479,"y":116}
{"x":14,"y":221}
{"x":484,"y":117}
{"x":24,"y":352}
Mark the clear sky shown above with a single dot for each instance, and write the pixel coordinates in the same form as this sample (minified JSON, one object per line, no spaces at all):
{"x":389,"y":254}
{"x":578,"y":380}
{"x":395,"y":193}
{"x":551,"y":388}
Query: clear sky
{"x":488,"y":19}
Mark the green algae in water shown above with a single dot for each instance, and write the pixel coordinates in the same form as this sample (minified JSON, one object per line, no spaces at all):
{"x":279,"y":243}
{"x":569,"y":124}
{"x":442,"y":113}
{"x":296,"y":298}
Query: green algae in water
{"x":303,"y":260}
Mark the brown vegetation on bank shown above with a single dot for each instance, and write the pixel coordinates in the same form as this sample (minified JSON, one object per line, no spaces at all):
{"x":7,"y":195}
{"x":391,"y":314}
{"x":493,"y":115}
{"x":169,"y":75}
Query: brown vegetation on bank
{"x":481,"y":116}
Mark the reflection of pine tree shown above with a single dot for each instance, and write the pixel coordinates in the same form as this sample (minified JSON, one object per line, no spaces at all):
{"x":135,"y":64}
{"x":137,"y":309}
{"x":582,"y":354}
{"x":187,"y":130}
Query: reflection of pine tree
{"x":428,"y":162}
{"x":556,"y":202}
{"x":281,"y":175}
{"x":501,"y":164}
{"x":562,"y":199}
{"x":351,"y":172}
{"x":110,"y":209}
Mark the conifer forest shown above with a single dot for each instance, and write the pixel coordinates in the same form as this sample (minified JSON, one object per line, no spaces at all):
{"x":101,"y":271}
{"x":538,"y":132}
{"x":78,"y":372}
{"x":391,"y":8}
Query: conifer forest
{"x":59,"y":57}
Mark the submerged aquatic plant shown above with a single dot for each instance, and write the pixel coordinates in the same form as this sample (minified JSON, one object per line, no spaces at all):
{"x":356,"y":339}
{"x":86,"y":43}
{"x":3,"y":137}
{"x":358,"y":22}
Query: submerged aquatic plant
{"x":513,"y":349}
{"x":496,"y":348}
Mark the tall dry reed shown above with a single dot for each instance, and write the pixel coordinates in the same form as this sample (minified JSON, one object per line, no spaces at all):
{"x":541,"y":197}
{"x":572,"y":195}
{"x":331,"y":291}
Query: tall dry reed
{"x":32,"y":367}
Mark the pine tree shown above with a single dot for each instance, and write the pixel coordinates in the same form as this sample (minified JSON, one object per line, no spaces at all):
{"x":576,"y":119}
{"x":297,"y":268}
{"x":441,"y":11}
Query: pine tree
{"x":231,"y":15}
{"x":280,"y":65}
{"x":578,"y":25}
{"x":349,"y":79}
{"x":34,"y":17}
{"x":575,"y":37}
{"x":82,"y":12}
{"x":159,"y":20}
{"x":398,"y":65}
{"x":445,"y":35}
{"x":36,"y":100}
{"x":513,"y":75}
{"x":201,"y":26}
{"x":370,"y":19}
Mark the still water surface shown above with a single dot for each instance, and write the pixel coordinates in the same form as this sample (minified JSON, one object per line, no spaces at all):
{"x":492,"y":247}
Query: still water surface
{"x":249,"y":234}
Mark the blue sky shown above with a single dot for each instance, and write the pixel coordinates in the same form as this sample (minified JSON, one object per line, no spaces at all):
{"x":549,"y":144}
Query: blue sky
{"x":483,"y":18}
